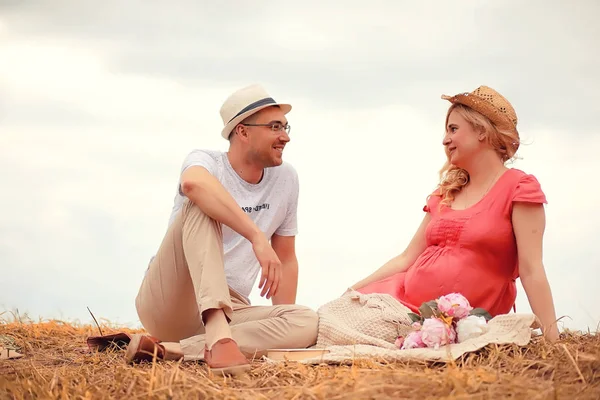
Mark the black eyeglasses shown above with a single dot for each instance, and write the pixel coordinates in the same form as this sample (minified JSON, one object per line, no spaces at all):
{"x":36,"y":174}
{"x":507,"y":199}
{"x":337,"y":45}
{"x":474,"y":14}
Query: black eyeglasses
{"x":275,"y":126}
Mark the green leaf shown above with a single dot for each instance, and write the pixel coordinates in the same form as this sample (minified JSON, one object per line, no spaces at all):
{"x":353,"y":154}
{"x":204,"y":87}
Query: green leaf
{"x":429,"y":309}
{"x":433,"y":305}
{"x":480,"y":312}
{"x":414,"y":317}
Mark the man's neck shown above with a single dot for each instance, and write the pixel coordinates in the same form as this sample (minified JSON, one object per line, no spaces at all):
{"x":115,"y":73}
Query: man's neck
{"x":247,"y":170}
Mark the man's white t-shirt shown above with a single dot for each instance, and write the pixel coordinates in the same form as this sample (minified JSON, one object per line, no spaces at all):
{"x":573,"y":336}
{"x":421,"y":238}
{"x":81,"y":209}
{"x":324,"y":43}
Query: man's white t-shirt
{"x":272,"y":204}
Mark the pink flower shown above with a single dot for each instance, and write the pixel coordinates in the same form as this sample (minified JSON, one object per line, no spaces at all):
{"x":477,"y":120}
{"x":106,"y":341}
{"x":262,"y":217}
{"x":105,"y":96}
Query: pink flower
{"x":436,"y":333}
{"x":399,"y":342}
{"x":416,"y":326}
{"x":454,"y":305}
{"x":413,"y":341}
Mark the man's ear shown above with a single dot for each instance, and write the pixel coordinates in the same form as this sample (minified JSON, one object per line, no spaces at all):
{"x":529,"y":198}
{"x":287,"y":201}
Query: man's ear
{"x":241,"y":131}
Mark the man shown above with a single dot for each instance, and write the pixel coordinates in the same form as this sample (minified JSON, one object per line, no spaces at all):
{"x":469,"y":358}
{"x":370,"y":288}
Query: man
{"x":229,"y":205}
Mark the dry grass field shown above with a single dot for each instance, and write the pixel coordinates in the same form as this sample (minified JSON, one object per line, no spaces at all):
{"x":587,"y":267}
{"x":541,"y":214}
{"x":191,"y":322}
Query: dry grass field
{"x":58,"y":365}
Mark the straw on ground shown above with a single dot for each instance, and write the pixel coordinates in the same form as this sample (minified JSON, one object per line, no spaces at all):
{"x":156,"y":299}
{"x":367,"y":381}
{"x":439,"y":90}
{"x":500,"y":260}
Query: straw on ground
{"x":57,"y":364}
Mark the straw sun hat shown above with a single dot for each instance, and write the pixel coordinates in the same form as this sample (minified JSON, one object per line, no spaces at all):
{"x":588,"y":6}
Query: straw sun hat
{"x":490,"y":103}
{"x":245,"y":102}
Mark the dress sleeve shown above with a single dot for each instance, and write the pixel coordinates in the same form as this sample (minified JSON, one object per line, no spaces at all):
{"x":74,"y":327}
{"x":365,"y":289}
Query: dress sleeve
{"x":433,"y":200}
{"x":529,"y":190}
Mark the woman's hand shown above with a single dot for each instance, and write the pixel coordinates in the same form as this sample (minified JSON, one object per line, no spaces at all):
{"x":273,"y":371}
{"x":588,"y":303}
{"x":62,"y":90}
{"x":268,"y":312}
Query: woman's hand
{"x":551,"y":333}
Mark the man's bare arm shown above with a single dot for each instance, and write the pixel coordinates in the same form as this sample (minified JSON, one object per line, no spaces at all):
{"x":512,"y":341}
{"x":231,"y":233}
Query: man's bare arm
{"x":198,"y":185}
{"x":206,"y":192}
{"x":285,"y":247}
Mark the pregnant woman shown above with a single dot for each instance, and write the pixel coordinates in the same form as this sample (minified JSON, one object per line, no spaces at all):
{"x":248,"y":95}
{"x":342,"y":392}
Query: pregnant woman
{"x":484,"y":224}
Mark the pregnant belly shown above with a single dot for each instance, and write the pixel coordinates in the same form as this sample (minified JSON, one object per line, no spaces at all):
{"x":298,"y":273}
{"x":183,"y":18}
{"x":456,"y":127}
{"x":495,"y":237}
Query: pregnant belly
{"x":446,"y":274}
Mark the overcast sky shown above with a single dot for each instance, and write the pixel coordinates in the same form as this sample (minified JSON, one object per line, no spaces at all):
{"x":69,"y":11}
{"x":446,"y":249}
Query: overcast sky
{"x":101,"y":101}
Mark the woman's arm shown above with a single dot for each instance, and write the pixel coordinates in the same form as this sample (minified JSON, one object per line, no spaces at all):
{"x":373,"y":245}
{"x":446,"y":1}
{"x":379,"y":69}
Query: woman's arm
{"x":529,"y":221}
{"x":401,"y":262}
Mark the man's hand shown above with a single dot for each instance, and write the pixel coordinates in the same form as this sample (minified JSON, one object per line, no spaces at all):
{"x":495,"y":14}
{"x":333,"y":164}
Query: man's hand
{"x":270,"y":264}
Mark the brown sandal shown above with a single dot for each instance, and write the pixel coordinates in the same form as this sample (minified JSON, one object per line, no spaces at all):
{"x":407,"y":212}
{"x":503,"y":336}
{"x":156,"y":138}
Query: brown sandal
{"x":226,"y":358}
{"x":141,"y":348}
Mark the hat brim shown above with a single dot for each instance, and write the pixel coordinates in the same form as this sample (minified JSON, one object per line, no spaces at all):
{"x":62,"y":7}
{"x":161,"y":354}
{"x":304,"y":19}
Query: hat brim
{"x":483,"y":107}
{"x":286,"y":108}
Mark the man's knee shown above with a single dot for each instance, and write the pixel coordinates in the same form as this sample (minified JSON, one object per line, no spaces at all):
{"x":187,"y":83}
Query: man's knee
{"x":305,"y":323}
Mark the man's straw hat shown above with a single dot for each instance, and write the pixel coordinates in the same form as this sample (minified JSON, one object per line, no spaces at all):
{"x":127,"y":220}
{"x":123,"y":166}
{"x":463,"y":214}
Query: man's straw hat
{"x":245,"y":102}
{"x":490,"y":103}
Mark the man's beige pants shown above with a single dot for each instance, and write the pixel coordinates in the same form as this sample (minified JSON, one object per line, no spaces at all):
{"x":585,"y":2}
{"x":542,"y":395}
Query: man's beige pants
{"x":187,"y":277}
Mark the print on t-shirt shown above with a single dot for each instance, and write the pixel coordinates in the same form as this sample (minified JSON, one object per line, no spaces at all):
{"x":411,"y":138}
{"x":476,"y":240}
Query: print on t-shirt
{"x":256,"y":208}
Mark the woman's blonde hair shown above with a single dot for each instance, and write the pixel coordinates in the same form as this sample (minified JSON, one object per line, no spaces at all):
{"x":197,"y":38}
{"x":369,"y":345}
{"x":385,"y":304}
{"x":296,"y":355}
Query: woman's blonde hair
{"x":505,"y":142}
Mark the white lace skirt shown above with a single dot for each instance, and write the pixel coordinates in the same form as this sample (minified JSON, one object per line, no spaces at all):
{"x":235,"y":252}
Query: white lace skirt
{"x":355,"y":318}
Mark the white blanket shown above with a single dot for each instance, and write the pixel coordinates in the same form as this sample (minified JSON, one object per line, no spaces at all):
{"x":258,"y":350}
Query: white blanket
{"x":365,"y":326}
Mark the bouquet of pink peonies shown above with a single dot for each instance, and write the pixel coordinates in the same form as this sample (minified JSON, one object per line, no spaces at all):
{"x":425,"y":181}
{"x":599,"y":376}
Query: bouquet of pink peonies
{"x":449,"y":319}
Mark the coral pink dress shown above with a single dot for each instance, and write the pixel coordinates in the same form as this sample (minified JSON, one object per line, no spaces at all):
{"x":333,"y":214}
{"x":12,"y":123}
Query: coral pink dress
{"x":471,"y":251}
